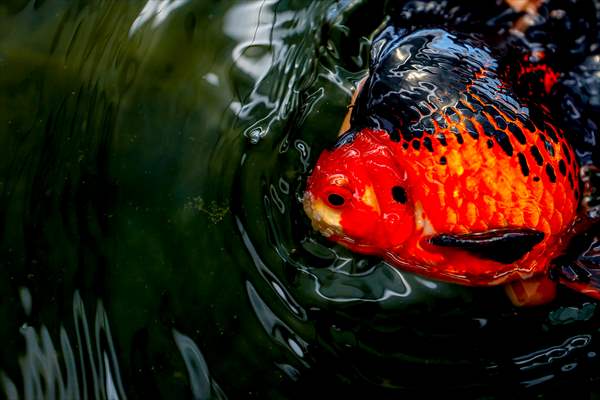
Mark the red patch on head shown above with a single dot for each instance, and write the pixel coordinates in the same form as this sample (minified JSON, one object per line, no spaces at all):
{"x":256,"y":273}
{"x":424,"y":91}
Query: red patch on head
{"x":358,"y":179}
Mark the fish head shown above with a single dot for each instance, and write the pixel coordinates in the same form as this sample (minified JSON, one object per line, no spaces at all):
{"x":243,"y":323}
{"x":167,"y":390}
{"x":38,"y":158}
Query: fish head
{"x":357,"y":196}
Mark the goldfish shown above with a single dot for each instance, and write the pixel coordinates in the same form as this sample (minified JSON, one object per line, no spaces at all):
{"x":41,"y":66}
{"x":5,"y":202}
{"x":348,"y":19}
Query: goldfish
{"x":444,"y":170}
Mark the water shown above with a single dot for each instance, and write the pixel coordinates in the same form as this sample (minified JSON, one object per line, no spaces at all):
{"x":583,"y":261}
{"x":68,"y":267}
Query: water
{"x":153,"y":156}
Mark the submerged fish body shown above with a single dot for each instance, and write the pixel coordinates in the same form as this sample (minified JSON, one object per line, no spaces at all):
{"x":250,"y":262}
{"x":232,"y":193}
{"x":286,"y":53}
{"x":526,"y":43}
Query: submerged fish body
{"x":444,"y":170}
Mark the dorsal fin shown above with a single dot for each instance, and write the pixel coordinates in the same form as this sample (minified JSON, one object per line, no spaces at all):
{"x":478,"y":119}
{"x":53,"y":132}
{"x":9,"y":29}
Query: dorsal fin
{"x":505,"y":245}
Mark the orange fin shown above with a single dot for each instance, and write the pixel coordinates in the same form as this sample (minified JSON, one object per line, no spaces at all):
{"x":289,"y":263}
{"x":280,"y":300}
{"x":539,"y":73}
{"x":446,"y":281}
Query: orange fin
{"x":502,"y":245}
{"x":531,"y":292}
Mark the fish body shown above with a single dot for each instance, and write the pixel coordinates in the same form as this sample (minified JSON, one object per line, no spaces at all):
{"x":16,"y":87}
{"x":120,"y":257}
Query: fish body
{"x":445,"y":170}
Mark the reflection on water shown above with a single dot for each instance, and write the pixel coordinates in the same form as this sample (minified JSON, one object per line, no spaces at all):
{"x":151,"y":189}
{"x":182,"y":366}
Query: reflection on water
{"x":84,"y":364}
{"x":546,"y":356}
{"x":157,"y":11}
{"x":278,"y":51}
{"x":564,"y":358}
{"x":153,"y":156}
{"x":274,"y":326}
{"x":72,"y":366}
{"x":202,"y":386}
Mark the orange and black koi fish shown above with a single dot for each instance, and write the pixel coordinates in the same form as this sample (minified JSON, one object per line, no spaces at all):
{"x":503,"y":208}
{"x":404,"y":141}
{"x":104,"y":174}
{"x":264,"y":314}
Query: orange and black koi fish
{"x":445,"y":172}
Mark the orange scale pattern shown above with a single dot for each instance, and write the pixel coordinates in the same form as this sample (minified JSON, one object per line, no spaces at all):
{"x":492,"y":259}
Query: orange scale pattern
{"x":466,"y":186}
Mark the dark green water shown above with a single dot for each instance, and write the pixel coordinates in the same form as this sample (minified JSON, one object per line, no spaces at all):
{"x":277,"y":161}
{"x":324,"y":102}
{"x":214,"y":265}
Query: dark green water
{"x":152,"y":157}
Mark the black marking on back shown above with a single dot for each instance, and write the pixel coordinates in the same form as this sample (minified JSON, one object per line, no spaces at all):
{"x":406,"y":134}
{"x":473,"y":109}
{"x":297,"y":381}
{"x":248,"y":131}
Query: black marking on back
{"x":453,"y":116}
{"x":407,"y":135}
{"x":550,"y":173}
{"x":562,"y":167}
{"x":427,"y":69}
{"x":443,"y":160}
{"x":504,"y":142}
{"x":528,"y":124}
{"x":500,"y":122}
{"x":566,"y":153}
{"x":442,"y":138}
{"x":502,"y":245}
{"x":535,"y":152}
{"x":523,"y":163}
{"x":551,"y":132}
{"x":488,"y":128}
{"x":471,"y":129}
{"x":457,"y":135}
{"x":427,"y":144}
{"x":491,"y":111}
{"x":464,"y":110}
{"x":474,"y":104}
{"x":517,"y":133}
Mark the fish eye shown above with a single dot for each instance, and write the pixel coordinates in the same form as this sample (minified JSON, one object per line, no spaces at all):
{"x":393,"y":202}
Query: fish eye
{"x":399,"y":194}
{"x":336,"y":200}
{"x":337,"y":196}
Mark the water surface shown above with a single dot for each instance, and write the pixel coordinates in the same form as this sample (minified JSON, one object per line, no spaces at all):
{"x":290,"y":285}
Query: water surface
{"x":152,"y":159}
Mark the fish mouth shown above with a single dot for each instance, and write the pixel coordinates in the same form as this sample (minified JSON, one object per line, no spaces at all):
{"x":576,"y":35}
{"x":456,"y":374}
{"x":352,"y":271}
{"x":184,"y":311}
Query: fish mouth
{"x":323,"y":218}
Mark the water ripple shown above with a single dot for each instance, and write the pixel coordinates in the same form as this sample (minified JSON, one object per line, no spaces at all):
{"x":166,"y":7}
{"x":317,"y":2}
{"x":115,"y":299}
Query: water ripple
{"x":271,"y":54}
{"x":203,"y":387}
{"x":156,"y":10}
{"x":43,"y":363}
